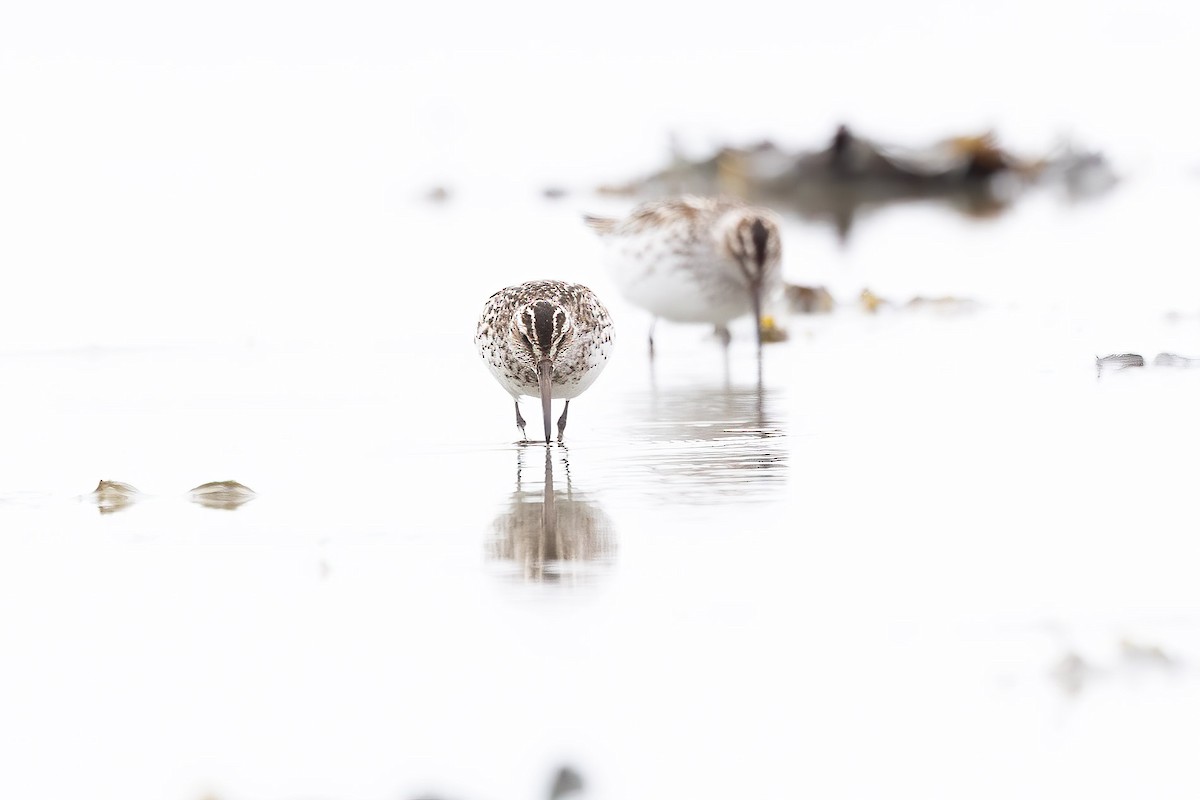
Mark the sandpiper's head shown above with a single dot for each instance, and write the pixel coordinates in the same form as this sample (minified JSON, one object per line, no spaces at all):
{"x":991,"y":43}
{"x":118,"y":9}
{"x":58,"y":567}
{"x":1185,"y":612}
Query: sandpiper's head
{"x":541,"y":331}
{"x":751,"y":237}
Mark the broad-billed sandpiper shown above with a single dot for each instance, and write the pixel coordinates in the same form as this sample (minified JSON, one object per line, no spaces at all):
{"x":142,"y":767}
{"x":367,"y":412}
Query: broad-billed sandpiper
{"x":546,"y":339}
{"x":695,"y":259}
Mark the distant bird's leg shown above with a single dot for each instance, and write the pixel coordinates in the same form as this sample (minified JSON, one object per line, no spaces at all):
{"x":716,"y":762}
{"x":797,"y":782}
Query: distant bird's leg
{"x":653,"y":320}
{"x":562,"y":421}
{"x":756,"y":304}
{"x":520,"y":419}
{"x":723,"y":335}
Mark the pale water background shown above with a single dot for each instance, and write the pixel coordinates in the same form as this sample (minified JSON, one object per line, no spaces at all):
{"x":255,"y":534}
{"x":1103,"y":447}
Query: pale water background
{"x":868,"y":577}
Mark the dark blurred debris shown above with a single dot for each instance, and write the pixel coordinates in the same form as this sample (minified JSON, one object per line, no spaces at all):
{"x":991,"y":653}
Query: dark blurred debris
{"x":112,"y":496}
{"x":973,"y":174}
{"x":554,"y":193}
{"x":1172,"y":360}
{"x":566,"y":782}
{"x":222,"y":494}
{"x":1083,"y":175}
{"x":808,"y":299}
{"x":1118,"y":361}
{"x":437,"y":194}
{"x":818,"y":300}
{"x":1145,"y":654}
{"x":1071,"y":672}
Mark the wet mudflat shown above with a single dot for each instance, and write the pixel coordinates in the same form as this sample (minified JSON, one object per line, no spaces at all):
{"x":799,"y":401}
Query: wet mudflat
{"x":923,"y":544}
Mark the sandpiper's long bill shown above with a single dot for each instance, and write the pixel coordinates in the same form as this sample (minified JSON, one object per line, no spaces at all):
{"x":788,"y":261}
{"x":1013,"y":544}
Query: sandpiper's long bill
{"x":545,"y":369}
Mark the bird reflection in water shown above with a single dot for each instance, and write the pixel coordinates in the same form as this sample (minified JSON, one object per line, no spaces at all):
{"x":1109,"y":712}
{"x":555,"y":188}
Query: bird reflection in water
{"x":551,"y":534}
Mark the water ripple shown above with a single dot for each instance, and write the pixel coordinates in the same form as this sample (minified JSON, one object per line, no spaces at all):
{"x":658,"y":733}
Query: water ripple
{"x":706,"y":443}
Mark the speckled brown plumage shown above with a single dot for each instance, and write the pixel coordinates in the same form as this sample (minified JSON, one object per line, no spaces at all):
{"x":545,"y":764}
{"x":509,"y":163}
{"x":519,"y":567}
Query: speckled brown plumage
{"x":564,"y":323}
{"x":694,"y":259}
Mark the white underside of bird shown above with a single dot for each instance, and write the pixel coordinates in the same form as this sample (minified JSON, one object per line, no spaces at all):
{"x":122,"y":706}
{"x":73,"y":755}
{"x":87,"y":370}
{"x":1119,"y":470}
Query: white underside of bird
{"x":687,"y":286}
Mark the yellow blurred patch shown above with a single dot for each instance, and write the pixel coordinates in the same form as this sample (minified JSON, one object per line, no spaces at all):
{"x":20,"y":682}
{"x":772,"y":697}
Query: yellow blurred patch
{"x":771,"y":332}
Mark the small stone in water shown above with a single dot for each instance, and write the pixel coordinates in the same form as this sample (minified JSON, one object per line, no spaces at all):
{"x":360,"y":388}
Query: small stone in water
{"x":222,"y":494}
{"x":1120,"y":361}
{"x":113,"y":495}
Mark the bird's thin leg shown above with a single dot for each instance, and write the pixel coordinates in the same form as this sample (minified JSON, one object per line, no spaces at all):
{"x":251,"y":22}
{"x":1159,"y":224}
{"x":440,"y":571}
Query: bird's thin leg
{"x":723,"y":335}
{"x":651,"y":336}
{"x":520,"y":419}
{"x":562,"y":421}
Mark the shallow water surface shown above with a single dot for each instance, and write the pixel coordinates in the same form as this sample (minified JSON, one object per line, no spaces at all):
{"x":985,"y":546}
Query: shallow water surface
{"x":916,"y":541}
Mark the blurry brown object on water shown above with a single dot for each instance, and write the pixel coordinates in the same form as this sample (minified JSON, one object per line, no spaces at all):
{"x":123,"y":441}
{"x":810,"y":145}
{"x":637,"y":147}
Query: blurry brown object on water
{"x":972,"y":173}
{"x":771,"y":331}
{"x":1145,"y":654}
{"x":222,"y":494}
{"x":112,"y":496}
{"x":808,"y":299}
{"x":871,"y":302}
{"x":438,"y":194}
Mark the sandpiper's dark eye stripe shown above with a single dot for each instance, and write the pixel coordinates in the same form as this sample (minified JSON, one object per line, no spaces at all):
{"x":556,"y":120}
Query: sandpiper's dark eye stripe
{"x":759,"y":233}
{"x":543,"y":322}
